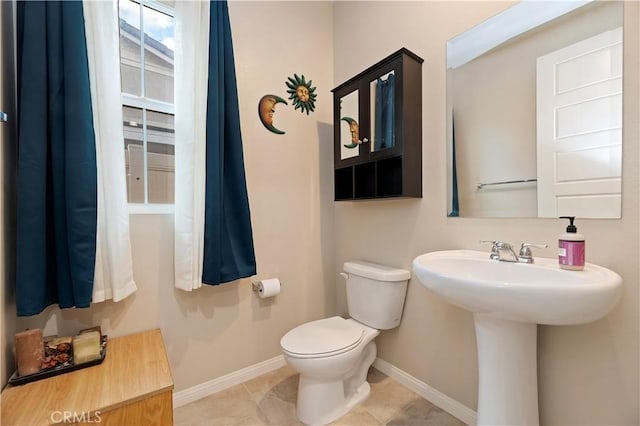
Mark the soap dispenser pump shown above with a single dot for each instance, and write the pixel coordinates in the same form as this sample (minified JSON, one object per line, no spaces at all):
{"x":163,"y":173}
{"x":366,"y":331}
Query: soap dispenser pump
{"x":571,"y":247}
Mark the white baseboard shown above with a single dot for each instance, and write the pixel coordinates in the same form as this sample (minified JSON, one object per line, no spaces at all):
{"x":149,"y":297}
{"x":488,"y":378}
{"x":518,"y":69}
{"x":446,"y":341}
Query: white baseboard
{"x":202,"y":390}
{"x":432,"y":395}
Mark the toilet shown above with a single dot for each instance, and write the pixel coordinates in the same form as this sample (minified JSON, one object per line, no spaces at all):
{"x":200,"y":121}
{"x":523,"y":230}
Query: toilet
{"x":333,"y":355}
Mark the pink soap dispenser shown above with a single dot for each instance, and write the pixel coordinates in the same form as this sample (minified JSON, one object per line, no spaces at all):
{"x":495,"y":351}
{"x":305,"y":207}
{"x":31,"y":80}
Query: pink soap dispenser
{"x":571,"y":247}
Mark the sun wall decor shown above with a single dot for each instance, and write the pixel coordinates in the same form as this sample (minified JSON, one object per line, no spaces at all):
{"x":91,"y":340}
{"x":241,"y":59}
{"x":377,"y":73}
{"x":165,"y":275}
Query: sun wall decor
{"x":301,"y":93}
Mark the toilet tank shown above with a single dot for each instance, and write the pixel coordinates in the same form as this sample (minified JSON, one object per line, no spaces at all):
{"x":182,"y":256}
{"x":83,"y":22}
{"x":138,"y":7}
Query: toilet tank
{"x":375,"y":293}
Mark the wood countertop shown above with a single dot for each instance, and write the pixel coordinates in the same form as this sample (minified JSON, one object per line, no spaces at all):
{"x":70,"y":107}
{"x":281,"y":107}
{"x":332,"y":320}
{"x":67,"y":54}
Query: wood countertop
{"x":135,"y":368}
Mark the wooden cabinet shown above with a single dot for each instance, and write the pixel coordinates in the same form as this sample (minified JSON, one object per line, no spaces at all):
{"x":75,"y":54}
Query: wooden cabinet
{"x":378,"y":130}
{"x":132,"y":386}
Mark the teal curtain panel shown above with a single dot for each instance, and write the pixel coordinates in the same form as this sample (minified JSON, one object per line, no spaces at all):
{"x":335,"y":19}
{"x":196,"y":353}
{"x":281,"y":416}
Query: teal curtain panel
{"x":57,"y":176}
{"x":455,"y":202}
{"x":228,"y":240}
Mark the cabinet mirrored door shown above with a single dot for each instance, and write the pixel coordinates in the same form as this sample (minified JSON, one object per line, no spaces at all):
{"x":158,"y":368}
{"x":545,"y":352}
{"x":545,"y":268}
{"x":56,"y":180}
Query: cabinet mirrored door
{"x":383,"y":111}
{"x":350,"y":139}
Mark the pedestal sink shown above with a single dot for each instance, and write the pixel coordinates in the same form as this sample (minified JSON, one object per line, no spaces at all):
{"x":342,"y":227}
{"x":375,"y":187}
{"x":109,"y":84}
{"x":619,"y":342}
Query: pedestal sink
{"x":508,"y":300}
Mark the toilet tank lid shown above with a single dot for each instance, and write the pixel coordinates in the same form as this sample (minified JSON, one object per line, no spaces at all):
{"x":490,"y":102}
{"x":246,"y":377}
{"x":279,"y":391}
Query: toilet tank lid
{"x":376,"y":271}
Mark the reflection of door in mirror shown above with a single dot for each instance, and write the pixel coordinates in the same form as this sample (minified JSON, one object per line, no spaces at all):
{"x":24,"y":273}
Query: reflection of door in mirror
{"x":579,"y":98}
{"x":349,"y":126}
{"x":492,"y":89}
{"x":382,"y":91}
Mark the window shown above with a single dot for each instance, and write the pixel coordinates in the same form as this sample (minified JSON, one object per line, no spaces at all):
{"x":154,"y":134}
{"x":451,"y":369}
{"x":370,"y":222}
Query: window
{"x":146,"y":69}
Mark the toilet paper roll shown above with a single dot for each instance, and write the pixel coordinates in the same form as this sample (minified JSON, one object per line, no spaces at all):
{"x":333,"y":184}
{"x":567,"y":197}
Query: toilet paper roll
{"x":268,"y":288}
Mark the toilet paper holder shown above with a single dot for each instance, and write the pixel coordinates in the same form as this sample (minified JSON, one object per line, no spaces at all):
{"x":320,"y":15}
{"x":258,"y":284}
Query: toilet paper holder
{"x":255,"y":285}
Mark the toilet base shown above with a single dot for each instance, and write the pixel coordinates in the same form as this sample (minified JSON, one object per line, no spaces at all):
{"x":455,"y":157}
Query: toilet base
{"x":320,"y":401}
{"x":360,"y":396}
{"x":327,"y":401}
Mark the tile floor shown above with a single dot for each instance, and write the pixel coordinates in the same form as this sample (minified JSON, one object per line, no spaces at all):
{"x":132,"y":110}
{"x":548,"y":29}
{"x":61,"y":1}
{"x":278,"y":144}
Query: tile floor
{"x":270,"y":400}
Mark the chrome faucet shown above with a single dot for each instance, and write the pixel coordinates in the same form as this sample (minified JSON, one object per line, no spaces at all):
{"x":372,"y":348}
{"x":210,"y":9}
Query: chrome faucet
{"x":525,"y":256}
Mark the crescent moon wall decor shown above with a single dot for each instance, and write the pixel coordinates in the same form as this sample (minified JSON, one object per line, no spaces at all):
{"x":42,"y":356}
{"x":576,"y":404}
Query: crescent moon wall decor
{"x":301,"y":93}
{"x":266,"y":110}
{"x":354,"y":128}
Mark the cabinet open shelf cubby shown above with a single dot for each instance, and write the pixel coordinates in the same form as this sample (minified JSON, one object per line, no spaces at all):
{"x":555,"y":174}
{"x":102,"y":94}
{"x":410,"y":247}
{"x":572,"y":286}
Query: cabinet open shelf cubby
{"x":364,"y":184}
{"x":344,"y":183}
{"x":375,"y":179}
{"x":389,"y":177}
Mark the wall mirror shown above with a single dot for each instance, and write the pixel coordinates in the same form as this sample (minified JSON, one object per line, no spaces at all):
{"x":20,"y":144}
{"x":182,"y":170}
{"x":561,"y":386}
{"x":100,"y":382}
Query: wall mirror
{"x":534,"y":112}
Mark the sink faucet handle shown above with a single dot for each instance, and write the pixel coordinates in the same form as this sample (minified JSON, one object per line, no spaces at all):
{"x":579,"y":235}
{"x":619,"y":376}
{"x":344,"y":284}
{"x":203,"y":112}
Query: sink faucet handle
{"x":525,"y":246}
{"x":498,"y":245}
{"x":494,"y":244}
{"x":495,"y":248}
{"x":525,"y":251}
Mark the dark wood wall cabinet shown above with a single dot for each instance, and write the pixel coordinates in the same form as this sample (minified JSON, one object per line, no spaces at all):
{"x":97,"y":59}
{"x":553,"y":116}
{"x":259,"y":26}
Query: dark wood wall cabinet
{"x":377,"y":117}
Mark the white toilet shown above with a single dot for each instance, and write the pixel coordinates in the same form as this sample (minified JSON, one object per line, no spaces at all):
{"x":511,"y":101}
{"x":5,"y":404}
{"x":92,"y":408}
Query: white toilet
{"x":333,"y":355}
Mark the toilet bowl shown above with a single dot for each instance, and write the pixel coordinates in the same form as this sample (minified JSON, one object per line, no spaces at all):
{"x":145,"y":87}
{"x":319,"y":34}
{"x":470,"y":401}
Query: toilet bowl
{"x":333,"y":355}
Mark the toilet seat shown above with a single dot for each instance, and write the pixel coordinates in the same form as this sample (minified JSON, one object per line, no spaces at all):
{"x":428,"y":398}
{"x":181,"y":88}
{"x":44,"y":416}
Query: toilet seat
{"x":322,"y":338}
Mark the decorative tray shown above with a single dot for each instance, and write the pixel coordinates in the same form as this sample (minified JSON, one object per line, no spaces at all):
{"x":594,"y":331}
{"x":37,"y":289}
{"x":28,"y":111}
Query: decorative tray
{"x":61,"y":369}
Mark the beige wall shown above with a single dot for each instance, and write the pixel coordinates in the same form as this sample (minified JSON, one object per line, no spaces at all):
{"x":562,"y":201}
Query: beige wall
{"x":217,"y":330}
{"x":587,"y":374}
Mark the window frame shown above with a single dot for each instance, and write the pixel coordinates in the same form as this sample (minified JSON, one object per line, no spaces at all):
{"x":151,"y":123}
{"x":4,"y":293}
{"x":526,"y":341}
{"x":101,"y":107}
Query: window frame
{"x":145,"y":103}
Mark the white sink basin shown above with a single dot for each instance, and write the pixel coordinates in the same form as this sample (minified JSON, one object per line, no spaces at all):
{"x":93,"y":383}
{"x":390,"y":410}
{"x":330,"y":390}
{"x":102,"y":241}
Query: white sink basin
{"x":508,"y":300}
{"x":539,"y":293}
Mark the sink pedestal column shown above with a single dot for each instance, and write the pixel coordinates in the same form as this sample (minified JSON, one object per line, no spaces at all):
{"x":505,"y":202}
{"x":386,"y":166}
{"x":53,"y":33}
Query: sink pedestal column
{"x":507,"y":372}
